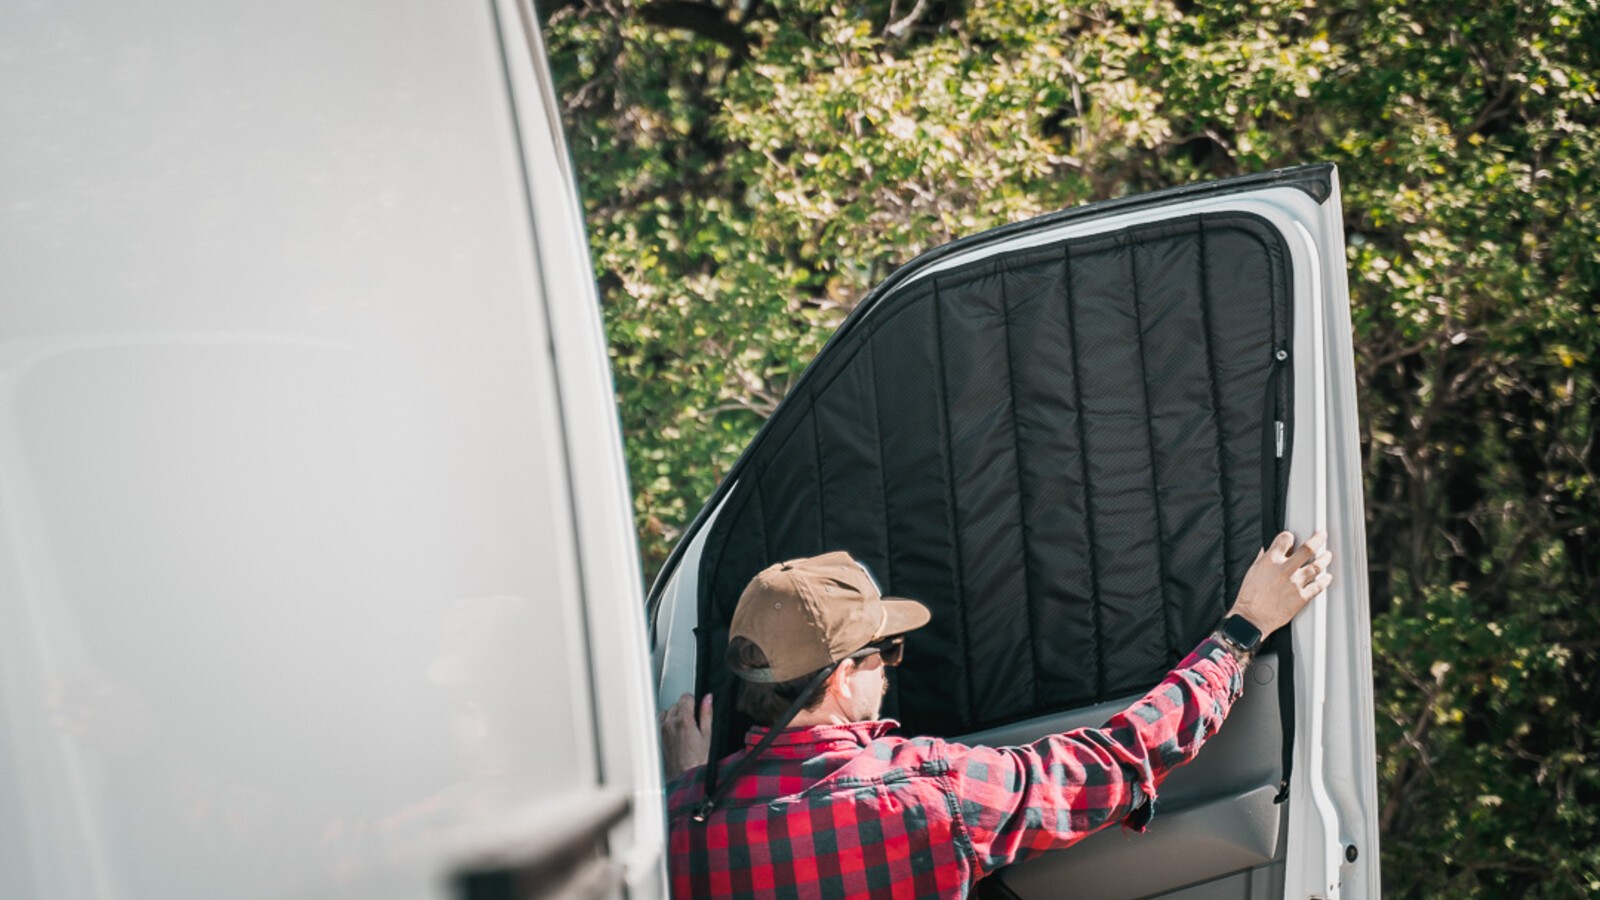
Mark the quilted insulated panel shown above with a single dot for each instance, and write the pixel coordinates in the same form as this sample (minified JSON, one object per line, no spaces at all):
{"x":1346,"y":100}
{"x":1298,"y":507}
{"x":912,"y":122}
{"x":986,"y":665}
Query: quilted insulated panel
{"x":1069,"y":453}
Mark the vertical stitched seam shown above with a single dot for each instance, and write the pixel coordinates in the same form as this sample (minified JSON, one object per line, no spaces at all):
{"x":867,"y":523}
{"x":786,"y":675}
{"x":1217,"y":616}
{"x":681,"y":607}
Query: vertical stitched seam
{"x":1083,"y":468}
{"x":1224,"y":483}
{"x":954,"y":521}
{"x":761,"y":519}
{"x":822,"y":503}
{"x":719,"y":551}
{"x":887,"y":575}
{"x":883,"y":475}
{"x":1150,"y":442}
{"x":1022,"y":522}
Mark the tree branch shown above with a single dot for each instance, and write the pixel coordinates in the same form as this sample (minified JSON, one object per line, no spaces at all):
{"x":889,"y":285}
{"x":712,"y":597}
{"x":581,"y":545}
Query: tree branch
{"x":690,"y":184}
{"x":703,"y":19}
{"x":1405,"y":777}
{"x":898,"y":29}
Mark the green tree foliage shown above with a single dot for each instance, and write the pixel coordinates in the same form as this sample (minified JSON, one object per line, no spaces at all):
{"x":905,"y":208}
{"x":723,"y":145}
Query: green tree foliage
{"x":751,"y":170}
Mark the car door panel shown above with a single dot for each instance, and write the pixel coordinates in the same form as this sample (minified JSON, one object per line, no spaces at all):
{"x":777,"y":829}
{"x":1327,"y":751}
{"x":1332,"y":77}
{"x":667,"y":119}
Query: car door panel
{"x":1217,"y":815}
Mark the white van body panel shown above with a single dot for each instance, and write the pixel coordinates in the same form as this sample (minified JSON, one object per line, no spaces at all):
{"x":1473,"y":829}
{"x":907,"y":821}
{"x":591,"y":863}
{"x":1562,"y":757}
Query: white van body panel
{"x":316,"y":554}
{"x":600,"y":500}
{"x":1332,"y":816}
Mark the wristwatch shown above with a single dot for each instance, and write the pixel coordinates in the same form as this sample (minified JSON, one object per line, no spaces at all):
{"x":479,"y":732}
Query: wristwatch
{"x":1240,"y":637}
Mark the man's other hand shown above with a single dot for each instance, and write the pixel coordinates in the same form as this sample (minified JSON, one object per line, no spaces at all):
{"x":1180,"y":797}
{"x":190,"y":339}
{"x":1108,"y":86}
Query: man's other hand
{"x":1282,"y":580}
{"x":685,"y":735}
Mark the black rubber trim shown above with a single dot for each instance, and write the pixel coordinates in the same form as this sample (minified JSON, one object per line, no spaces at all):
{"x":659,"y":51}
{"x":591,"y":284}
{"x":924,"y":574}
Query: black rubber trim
{"x":1283,"y":641}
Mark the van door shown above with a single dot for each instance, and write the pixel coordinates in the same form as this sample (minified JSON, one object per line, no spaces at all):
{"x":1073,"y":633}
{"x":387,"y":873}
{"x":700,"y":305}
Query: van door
{"x":1069,"y":437}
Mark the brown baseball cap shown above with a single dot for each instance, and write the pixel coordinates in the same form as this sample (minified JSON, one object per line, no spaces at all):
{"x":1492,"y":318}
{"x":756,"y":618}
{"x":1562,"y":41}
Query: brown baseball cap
{"x":808,"y":613}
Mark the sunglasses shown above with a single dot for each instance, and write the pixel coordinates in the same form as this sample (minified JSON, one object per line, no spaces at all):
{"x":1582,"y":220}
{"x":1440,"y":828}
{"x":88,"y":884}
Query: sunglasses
{"x":892,"y":650}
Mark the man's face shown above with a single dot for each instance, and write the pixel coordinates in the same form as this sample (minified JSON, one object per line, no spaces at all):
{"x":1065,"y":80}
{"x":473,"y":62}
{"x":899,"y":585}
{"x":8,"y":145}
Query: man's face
{"x":869,"y":681}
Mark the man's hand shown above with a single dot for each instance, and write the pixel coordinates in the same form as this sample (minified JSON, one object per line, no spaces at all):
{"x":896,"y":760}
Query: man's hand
{"x":1282,"y":581}
{"x":685,"y":737}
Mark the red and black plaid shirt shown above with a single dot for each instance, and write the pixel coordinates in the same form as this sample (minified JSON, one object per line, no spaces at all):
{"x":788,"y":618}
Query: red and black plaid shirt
{"x":846,"y":811}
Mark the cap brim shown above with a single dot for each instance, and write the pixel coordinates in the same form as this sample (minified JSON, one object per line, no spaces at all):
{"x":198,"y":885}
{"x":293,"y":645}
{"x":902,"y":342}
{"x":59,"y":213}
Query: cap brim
{"x":902,"y":615}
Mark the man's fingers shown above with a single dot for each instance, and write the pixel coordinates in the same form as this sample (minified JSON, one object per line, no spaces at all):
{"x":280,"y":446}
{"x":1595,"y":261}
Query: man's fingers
{"x":705,"y":713}
{"x":1310,"y":569}
{"x":1316,"y":586}
{"x":1308,"y":551}
{"x":1305,"y":575}
{"x":1303,"y":554}
{"x":1316,"y":542}
{"x":677,"y":711}
{"x":1280,"y":547}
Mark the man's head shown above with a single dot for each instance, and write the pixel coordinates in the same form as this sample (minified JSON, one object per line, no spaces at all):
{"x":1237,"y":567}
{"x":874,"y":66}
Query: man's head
{"x":799,"y":617}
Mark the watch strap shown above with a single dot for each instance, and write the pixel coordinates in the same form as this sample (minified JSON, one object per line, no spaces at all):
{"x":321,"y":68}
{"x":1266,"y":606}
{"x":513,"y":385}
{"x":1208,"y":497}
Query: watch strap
{"x":1240,"y":636}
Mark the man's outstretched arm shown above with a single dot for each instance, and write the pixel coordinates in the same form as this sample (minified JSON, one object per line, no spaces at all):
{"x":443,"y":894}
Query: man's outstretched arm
{"x":1018,"y":801}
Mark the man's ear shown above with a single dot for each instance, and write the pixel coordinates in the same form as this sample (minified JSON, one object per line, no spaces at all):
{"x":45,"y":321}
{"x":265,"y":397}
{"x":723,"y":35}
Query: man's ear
{"x":839,"y":679}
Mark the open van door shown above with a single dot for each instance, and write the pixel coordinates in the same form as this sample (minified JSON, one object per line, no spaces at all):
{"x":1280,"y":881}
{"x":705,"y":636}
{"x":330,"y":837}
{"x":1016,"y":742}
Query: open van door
{"x":1069,"y":437}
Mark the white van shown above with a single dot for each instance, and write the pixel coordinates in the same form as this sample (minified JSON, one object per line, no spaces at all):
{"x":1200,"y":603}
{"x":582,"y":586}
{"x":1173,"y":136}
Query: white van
{"x":317,"y":576}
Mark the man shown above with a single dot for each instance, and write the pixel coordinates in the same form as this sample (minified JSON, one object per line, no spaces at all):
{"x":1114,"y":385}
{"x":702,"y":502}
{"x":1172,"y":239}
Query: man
{"x":822,"y":802}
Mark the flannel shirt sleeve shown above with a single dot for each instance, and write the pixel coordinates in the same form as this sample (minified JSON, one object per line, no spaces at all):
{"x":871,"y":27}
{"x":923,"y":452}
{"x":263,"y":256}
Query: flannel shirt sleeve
{"x":1017,"y":802}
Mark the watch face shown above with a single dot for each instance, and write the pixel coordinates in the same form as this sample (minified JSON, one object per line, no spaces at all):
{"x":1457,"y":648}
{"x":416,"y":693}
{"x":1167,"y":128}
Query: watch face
{"x":1241,"y":632}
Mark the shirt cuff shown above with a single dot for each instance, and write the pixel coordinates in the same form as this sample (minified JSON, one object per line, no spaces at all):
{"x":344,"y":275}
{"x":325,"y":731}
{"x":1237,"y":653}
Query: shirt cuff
{"x":1225,"y":666}
{"x":1139,"y":819}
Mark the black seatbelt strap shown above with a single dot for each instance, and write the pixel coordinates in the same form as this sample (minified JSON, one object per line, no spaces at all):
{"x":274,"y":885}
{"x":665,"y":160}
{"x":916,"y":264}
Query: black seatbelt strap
{"x":716,"y":790}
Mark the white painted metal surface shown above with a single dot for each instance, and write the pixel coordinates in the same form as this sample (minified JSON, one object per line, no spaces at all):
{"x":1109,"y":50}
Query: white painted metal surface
{"x":308,"y":457}
{"x":602,"y":507}
{"x":1337,"y":810}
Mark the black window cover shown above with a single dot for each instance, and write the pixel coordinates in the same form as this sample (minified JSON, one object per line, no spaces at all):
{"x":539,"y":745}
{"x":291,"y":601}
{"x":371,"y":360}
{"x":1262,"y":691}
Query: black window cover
{"x":1068,"y":452}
